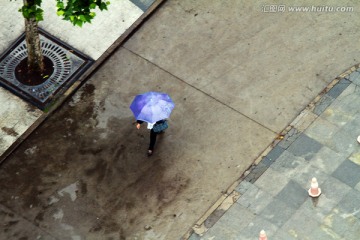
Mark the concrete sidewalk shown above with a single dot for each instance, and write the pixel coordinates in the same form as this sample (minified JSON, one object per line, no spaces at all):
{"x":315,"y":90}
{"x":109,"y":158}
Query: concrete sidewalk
{"x":273,"y":196}
{"x":97,"y":40}
{"x":238,"y":80}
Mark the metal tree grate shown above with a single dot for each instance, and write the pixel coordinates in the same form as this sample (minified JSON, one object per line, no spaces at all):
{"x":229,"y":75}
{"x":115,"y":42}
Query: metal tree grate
{"x":68,"y":65}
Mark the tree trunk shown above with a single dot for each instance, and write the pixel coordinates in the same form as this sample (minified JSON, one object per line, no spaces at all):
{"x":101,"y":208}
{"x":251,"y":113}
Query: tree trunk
{"x":35,"y":57}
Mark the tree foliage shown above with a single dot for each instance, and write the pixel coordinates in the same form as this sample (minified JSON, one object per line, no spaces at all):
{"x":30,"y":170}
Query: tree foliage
{"x":77,"y":12}
{"x":32,"y":10}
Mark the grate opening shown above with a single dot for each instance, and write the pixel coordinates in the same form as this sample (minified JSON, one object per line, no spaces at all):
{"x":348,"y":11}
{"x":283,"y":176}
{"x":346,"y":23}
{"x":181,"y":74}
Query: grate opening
{"x":69,"y":64}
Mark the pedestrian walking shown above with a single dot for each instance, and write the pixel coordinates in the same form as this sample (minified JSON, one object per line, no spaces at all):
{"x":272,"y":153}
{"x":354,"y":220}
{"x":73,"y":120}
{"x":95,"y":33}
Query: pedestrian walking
{"x":153,"y":108}
{"x":155,"y":129}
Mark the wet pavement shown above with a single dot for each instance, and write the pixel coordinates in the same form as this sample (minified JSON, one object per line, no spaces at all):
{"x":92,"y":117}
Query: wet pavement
{"x":233,"y":152}
{"x":91,"y":148}
{"x":19,"y":118}
{"x":321,"y":143}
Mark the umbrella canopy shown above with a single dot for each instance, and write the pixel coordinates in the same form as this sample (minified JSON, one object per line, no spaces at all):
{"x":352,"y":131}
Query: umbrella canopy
{"x":152,"y":106}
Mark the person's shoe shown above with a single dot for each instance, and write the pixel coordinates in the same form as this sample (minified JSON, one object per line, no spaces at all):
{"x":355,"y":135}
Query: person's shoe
{"x":149,"y":153}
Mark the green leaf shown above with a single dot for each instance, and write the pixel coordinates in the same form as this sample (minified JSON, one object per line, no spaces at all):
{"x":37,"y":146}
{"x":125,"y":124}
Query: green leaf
{"x":82,"y":18}
{"x":60,"y":5}
{"x":103,"y":6}
{"x":79,"y":23}
{"x":24,"y":12}
{"x":79,"y":12}
{"x":39,"y":16}
{"x":88,"y":18}
{"x":60,"y":13}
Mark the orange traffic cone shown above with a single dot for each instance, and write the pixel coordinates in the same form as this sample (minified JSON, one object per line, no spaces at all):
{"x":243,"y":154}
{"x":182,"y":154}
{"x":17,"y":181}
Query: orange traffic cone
{"x":314,"y":190}
{"x":262,"y":235}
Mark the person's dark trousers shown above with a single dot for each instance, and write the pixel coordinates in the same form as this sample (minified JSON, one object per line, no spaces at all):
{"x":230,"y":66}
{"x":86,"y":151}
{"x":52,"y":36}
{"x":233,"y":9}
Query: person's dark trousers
{"x":153,"y":136}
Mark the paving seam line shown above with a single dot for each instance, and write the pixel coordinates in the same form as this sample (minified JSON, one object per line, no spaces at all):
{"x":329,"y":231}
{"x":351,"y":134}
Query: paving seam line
{"x":85,"y":76}
{"x":28,"y":221}
{"x":199,"y":90}
{"x":228,"y":198}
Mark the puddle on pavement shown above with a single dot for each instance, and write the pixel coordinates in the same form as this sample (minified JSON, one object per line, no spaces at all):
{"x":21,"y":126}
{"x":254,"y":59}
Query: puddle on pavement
{"x":117,"y":186}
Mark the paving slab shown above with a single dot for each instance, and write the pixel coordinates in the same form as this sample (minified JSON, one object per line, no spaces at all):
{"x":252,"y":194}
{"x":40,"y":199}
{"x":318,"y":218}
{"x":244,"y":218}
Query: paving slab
{"x":304,"y":147}
{"x":327,"y":160}
{"x":264,"y":65}
{"x":238,"y":80}
{"x":231,"y":224}
{"x":277,"y":212}
{"x":321,"y":106}
{"x":280,"y":193}
{"x":96,"y":40}
{"x":91,"y":39}
{"x":348,"y":172}
{"x":16,"y":116}
{"x":288,"y":164}
{"x":95,"y":147}
{"x":271,"y":175}
{"x":293,"y":194}
{"x":300,"y":225}
{"x":354,"y":77}
{"x":14,"y":226}
{"x":331,"y":136}
{"x":254,"y":199}
{"x":349,"y":205}
{"x":252,"y":229}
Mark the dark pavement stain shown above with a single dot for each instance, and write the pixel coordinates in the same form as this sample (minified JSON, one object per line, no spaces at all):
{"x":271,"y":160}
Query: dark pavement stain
{"x":115,"y":179}
{"x":10,"y":131}
{"x":10,"y":223}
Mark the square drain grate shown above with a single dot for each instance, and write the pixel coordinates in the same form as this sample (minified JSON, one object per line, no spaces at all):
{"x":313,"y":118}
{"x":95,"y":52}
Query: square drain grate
{"x":69,"y":64}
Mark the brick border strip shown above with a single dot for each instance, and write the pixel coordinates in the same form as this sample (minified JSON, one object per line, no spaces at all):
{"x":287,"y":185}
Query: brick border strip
{"x":228,"y":198}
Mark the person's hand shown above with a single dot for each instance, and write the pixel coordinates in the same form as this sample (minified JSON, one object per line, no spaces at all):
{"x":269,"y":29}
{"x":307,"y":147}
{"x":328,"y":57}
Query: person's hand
{"x":138,"y":126}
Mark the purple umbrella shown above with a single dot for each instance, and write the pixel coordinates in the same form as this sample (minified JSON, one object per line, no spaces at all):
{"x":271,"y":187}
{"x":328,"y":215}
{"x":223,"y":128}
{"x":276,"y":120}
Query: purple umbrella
{"x":152,"y":106}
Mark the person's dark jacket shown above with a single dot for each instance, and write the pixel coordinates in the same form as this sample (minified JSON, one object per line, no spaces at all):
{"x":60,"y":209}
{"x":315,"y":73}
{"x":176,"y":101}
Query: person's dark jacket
{"x":161,"y":121}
